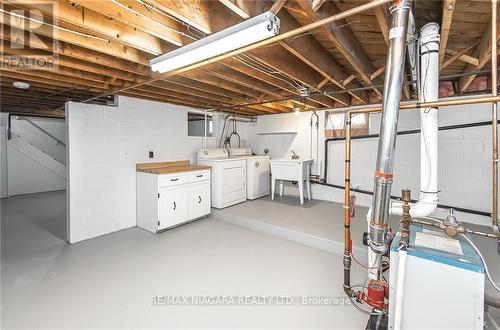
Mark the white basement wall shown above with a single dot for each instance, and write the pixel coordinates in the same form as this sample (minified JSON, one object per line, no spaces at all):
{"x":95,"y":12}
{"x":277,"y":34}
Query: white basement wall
{"x":464,"y":156}
{"x":104,"y":145}
{"x":3,"y":155}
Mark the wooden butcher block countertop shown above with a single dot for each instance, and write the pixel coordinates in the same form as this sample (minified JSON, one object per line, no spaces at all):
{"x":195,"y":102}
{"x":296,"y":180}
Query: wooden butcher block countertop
{"x":169,"y":167}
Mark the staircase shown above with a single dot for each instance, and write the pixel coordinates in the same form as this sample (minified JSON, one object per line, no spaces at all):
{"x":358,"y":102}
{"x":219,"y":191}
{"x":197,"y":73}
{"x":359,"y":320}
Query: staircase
{"x":36,"y":156}
{"x":39,"y":137}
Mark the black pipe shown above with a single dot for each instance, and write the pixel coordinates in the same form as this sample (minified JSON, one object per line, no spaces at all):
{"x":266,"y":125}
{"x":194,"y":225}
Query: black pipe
{"x":407,"y":132}
{"x":413,"y":131}
{"x":442,"y":206}
{"x":9,"y":126}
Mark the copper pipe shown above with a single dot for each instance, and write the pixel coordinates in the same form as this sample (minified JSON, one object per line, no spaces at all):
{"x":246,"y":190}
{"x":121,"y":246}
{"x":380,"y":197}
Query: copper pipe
{"x":439,"y":225}
{"x":347,"y":210}
{"x":405,"y":216}
{"x":266,"y":42}
{"x":482,"y":233}
{"x":417,"y":105}
{"x":347,"y":169}
{"x":494,"y":114}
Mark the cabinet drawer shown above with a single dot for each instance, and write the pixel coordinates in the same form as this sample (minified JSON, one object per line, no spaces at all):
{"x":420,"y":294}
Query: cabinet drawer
{"x":198,"y":176}
{"x":172,"y":180}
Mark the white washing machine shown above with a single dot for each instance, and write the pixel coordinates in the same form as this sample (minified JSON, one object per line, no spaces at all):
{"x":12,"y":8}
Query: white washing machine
{"x":258,"y":172}
{"x":228,"y":177}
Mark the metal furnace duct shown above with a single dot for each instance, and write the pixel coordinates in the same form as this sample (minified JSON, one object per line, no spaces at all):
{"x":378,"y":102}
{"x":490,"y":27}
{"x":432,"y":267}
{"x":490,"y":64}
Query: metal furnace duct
{"x":387,"y":142}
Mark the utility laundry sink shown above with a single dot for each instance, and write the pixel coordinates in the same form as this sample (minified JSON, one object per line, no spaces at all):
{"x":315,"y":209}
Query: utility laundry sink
{"x":291,"y":170}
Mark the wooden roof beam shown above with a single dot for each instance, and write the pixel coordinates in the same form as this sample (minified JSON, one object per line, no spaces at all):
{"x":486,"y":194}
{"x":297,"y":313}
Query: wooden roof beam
{"x":483,"y":52}
{"x":111,"y":47}
{"x":95,"y":21}
{"x":342,"y":36}
{"x":215,"y":17}
{"x":308,"y":50}
{"x":459,"y":54}
{"x":24,"y":76}
{"x":286,"y":87}
{"x":62,"y":76}
{"x":194,"y":12}
{"x":448,"y":9}
{"x":382,"y":15}
{"x":464,"y":57}
{"x":77,"y":52}
{"x":209,"y":96}
{"x":136,"y":16}
{"x":72,"y":63}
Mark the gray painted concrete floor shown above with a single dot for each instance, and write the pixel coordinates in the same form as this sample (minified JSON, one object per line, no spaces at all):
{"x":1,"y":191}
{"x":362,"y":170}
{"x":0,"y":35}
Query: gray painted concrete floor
{"x":317,"y":218}
{"x":325,"y":220}
{"x":108,"y":282}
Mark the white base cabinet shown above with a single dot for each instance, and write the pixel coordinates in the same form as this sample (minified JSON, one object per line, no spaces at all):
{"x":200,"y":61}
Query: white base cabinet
{"x":168,"y":200}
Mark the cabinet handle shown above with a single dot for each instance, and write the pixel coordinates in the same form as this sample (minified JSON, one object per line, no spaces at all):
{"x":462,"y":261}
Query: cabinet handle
{"x":176,"y":179}
{"x":199,"y":199}
{"x":175,"y":206}
{"x":200,"y":176}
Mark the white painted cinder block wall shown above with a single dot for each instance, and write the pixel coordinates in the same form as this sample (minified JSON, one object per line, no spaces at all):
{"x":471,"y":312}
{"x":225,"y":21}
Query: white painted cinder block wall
{"x":104,"y":144}
{"x":464,"y":156}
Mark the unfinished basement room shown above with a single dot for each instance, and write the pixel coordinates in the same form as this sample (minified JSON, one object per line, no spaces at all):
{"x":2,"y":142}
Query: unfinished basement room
{"x":249,"y":164}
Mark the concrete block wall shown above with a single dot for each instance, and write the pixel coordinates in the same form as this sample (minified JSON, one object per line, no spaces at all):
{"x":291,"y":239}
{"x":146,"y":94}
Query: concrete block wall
{"x":104,"y":144}
{"x":267,"y":133}
{"x":464,"y":156}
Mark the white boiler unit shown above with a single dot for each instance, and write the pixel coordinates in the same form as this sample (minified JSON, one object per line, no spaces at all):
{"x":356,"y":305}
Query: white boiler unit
{"x":258,"y":172}
{"x":443,"y":283}
{"x":228,"y":177}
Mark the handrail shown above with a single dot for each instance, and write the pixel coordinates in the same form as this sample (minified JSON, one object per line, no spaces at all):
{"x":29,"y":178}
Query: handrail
{"x":42,"y":130}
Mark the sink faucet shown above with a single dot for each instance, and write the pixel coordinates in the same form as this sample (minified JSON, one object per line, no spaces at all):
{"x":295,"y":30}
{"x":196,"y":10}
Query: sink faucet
{"x":294,"y":155}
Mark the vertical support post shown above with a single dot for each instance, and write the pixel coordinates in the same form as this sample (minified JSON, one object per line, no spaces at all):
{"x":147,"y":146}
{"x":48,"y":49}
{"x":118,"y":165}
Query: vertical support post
{"x":494,"y":114}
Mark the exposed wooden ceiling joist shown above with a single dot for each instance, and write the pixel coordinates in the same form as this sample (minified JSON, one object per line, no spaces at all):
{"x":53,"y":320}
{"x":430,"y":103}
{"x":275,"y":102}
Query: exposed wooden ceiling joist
{"x":448,"y":9}
{"x":108,"y":44}
{"x":483,"y":52}
{"x":342,"y":36}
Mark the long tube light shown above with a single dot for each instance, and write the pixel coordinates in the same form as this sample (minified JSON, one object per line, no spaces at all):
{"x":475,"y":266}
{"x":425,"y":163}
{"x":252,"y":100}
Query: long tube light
{"x":253,"y":30}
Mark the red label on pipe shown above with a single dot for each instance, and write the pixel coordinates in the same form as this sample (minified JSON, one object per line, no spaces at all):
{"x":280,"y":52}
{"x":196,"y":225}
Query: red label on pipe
{"x":386,"y":176}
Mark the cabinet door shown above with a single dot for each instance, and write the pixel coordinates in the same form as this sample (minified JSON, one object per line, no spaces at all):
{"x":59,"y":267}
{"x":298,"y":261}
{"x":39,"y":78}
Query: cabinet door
{"x":198,"y":200}
{"x":173,"y":207}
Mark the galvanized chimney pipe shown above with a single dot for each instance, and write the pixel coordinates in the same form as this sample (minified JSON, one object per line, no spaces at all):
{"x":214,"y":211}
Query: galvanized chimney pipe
{"x":388,"y":128}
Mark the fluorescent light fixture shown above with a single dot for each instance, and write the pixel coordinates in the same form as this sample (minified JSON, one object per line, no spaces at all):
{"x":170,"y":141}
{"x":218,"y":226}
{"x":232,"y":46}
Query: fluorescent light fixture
{"x":253,"y":30}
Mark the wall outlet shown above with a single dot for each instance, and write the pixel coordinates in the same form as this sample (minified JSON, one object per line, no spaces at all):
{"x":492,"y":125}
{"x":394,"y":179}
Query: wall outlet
{"x":151,"y":154}
{"x":124,"y":154}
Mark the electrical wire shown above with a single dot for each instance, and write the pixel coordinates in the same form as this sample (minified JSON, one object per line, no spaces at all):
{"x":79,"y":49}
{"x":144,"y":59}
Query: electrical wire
{"x":484,"y":262}
{"x":363,"y":266}
{"x":269,"y":73}
{"x":362,"y":310}
{"x":150,"y":8}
